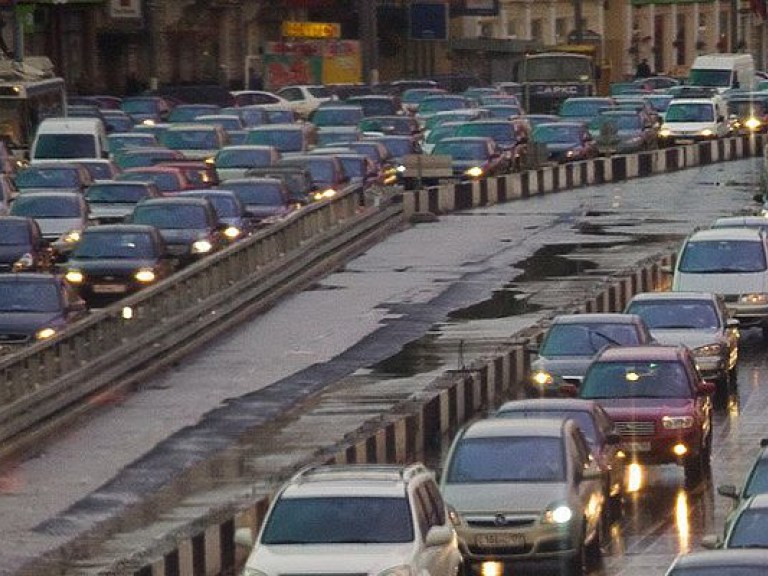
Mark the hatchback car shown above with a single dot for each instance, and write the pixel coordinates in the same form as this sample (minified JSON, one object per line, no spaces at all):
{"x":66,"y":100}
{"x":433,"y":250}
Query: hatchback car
{"x":572,"y":341}
{"x":623,"y":132}
{"x":266,"y":200}
{"x":732,"y":262}
{"x":22,"y":246}
{"x":528,"y":495}
{"x":168,"y":179}
{"x":35,"y":307}
{"x":356,"y":519}
{"x":565,"y":141}
{"x":234,"y":161}
{"x":111,"y":202}
{"x":599,"y":432}
{"x":700,"y":321}
{"x":114,"y":260}
{"x":474,"y":157}
{"x":660,"y":405}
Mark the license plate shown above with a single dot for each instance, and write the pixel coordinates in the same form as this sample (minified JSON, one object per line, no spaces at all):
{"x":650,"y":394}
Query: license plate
{"x":636,"y":446}
{"x":685,"y":140}
{"x":501,"y":539}
{"x":109,"y":288}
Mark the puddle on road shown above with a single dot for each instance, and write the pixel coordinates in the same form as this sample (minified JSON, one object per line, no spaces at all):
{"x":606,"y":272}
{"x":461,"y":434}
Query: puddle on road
{"x":550,"y":261}
{"x":416,"y":357}
{"x":502,"y":304}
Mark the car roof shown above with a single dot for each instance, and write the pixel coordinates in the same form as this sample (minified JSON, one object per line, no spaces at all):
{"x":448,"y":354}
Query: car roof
{"x":639,"y":353}
{"x":726,"y":234}
{"x":357,"y":480}
{"x":536,"y":404}
{"x":502,"y":427}
{"x":738,"y":221}
{"x":656,"y":296}
{"x":723,"y":558}
{"x":597,"y":318}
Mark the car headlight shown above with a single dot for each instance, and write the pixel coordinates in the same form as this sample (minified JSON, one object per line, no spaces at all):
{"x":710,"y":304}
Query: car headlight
{"x":755,"y":299}
{"x":400,"y":168}
{"x":232,"y":232}
{"x":570,"y":154}
{"x":542,"y":378}
{"x":45,"y":333}
{"x":752,"y":123}
{"x":707,"y":132}
{"x":665,"y":132}
{"x":401,"y":570}
{"x":70,"y":237}
{"x":559,"y":514}
{"x":201,"y":246}
{"x":474,"y":172}
{"x":24,"y":262}
{"x":74,"y":276}
{"x":145,"y":275}
{"x":709,"y":350}
{"x":327,"y":193}
{"x":676,"y":422}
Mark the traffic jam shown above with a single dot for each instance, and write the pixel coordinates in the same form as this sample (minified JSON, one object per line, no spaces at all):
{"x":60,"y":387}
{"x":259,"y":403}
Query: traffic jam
{"x":117,"y":194}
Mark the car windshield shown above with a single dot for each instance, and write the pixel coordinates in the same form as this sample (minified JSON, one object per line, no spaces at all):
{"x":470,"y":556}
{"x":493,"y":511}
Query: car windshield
{"x":582,"y":418}
{"x":503,"y":110}
{"x":462,"y":150}
{"x":757,"y":483}
{"x":672,"y":314}
{"x":319,"y":92}
{"x":186,"y":113}
{"x":553,"y":134}
{"x":224,"y":205}
{"x":139,"y":106}
{"x":618,"y":121}
{"x":243,"y":158}
{"x":261,"y":194}
{"x":190,"y":139}
{"x":29,"y":296}
{"x":432,"y":105}
{"x":507,"y":459}
{"x":703,"y":112}
{"x":39,"y":206}
{"x":176,"y":216}
{"x":337,"y":116}
{"x":120,"y":245}
{"x":586,"y":339}
{"x":14,"y":233}
{"x":117,"y":143}
{"x":583,"y":107}
{"x":635,"y":380}
{"x":116,"y":194}
{"x":47,"y":178}
{"x":709,"y":77}
{"x":441,"y":132}
{"x":339,"y":520}
{"x":750,"y":530}
{"x":723,"y":257}
{"x":501,"y":132}
{"x":283,"y":140}
{"x":99,"y":170}
{"x":279,"y":116}
{"x":65,"y":146}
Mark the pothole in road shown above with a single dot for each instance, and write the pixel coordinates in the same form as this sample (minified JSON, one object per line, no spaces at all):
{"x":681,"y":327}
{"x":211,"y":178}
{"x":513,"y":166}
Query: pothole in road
{"x":502,"y":304}
{"x":550,"y":261}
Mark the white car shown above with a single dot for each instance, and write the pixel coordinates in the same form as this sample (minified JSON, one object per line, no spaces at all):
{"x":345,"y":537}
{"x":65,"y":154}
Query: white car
{"x":375,"y":520}
{"x":305,"y":98}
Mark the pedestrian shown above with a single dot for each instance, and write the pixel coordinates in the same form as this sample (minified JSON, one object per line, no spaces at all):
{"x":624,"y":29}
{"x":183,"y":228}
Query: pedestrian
{"x":643,"y":69}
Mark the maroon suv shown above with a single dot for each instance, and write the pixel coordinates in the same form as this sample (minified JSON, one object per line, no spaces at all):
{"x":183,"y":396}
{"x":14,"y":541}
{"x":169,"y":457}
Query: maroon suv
{"x":661,"y":407}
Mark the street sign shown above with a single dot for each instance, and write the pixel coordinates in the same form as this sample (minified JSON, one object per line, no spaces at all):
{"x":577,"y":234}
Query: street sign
{"x":295,"y":29}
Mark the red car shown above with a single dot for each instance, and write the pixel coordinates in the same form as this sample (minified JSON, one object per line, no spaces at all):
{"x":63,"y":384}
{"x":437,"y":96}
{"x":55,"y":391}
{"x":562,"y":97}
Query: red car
{"x":661,"y":407}
{"x":168,"y":179}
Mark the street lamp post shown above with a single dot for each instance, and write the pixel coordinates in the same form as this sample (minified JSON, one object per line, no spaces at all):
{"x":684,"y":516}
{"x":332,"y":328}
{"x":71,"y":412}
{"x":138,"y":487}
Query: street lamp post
{"x":368,"y":31}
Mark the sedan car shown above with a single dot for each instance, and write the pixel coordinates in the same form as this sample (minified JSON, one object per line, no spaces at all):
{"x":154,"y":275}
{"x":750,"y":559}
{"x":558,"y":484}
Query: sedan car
{"x":623,"y":132}
{"x":572,"y":341}
{"x":473,"y":157}
{"x":195,"y":141}
{"x":660,"y":405}
{"x":111,"y":202}
{"x":720,"y":563}
{"x":234,"y":161}
{"x":511,"y":137}
{"x":114,"y":260}
{"x":565,"y":141}
{"x":527,"y":493}
{"x":190,"y":227}
{"x":22,"y":246}
{"x":229,"y":208}
{"x":599,"y":432}
{"x":584,"y":108}
{"x":168,"y":179}
{"x":700,"y":321}
{"x":35,"y":307}
{"x":267,"y":200}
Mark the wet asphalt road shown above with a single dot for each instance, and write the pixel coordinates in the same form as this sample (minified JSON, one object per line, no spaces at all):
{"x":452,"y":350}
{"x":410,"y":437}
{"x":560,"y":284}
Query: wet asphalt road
{"x":449,"y":280}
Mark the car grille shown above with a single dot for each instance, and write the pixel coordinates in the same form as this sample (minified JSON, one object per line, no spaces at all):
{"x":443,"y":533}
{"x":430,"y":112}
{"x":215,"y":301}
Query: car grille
{"x":493,"y":551}
{"x":14,"y":338}
{"x":635,"y":428}
{"x":493,"y":522}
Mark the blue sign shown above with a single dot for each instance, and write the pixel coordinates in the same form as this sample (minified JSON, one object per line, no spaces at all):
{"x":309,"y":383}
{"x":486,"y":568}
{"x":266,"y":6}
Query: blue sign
{"x":428,"y":21}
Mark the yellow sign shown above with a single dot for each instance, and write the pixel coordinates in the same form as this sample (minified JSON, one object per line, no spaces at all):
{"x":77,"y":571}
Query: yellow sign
{"x":294,"y":29}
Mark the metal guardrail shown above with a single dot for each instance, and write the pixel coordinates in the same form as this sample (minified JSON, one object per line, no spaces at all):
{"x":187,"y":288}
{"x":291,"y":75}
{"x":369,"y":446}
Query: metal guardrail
{"x":151,"y":328}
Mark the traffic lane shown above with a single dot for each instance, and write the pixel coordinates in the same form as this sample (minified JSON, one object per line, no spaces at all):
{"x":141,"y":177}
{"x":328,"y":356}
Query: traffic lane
{"x":404,"y":285}
{"x":664,"y":517}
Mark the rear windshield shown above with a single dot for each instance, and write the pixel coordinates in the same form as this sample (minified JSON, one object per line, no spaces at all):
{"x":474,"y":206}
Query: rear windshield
{"x":723,"y":257}
{"x":175,"y":216}
{"x":39,"y":206}
{"x":65,"y":146}
{"x":635,"y":380}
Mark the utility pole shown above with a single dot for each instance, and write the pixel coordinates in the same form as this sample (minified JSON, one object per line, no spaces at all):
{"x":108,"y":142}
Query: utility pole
{"x":578,"y":21}
{"x":734,"y":25}
{"x":368,"y":34}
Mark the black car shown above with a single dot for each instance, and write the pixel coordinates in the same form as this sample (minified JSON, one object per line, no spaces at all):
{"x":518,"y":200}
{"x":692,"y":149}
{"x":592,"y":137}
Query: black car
{"x":190,"y":227}
{"x":115,"y":260}
{"x":22,"y":246}
{"x":34,"y":307}
{"x":266,"y":200}
{"x":229,"y":208}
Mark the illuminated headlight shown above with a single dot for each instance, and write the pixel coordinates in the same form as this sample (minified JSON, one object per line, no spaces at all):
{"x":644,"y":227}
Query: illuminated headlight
{"x":542,"y":378}
{"x":665,"y":132}
{"x":70,"y":237}
{"x":145,"y":275}
{"x":755,"y":299}
{"x":201,"y":247}
{"x":707,"y":132}
{"x":26,"y":261}
{"x":474,"y":172}
{"x":401,"y":570}
{"x":74,"y":276}
{"x":492,"y":569}
{"x":400,"y":168}
{"x":570,"y":154}
{"x":148,"y":122}
{"x":557,"y":515}
{"x":232,"y":232}
{"x":45,"y":333}
{"x":327,"y":193}
{"x":676,"y":422}
{"x":210,"y":161}
{"x":709,"y":350}
{"x":752,"y":123}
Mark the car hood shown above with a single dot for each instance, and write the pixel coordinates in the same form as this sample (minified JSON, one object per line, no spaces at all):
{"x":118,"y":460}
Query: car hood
{"x":331,"y":558}
{"x":563,"y":365}
{"x":645,"y":408}
{"x":110,"y":266}
{"x":491,"y":497}
{"x":729,"y":283}
{"x":27,"y":322}
{"x":691,"y":338}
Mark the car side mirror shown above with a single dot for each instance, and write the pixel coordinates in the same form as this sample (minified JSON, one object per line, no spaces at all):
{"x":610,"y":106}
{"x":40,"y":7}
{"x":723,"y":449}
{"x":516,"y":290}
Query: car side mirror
{"x":706,"y":388}
{"x":728,"y":490}
{"x":711,"y":542}
{"x":612,"y":439}
{"x":439,"y":535}
{"x":244,"y":537}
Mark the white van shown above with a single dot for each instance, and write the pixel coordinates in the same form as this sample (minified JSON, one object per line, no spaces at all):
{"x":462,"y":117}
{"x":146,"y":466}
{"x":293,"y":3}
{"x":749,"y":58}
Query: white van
{"x":68,"y":139}
{"x":723,"y":71}
{"x":690,"y":120}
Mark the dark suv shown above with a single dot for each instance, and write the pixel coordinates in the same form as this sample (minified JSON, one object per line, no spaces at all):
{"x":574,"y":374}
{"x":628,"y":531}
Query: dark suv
{"x":661,"y":407}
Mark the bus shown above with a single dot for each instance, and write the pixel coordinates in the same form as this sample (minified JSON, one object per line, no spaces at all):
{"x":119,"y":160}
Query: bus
{"x":24,"y":104}
{"x":548,"y":78}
